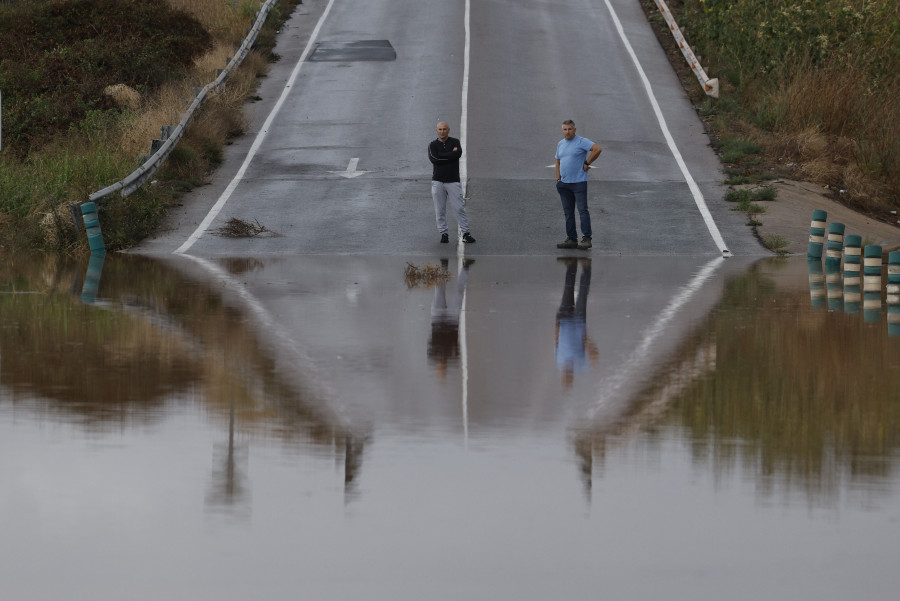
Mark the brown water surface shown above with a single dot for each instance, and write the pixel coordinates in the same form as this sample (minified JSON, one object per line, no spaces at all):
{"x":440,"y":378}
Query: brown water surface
{"x":323,"y":428}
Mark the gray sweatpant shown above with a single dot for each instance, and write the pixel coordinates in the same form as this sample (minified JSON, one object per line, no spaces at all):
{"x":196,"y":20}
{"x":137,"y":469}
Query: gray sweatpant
{"x":440,"y":192}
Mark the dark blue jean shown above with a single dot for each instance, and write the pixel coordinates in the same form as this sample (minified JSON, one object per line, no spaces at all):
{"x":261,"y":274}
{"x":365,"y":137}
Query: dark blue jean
{"x":572,"y":196}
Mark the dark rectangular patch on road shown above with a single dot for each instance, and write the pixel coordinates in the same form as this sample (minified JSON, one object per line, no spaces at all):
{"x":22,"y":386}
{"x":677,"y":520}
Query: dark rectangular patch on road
{"x":364,"y":50}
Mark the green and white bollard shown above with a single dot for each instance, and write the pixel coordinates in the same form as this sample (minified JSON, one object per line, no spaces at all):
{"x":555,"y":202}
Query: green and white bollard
{"x":852,"y":254}
{"x":835,"y":246}
{"x":92,"y":226}
{"x":852,"y":297}
{"x":834,"y":285}
{"x":816,"y":284}
{"x":872,"y":283}
{"x":816,"y":234}
{"x":893,"y":294}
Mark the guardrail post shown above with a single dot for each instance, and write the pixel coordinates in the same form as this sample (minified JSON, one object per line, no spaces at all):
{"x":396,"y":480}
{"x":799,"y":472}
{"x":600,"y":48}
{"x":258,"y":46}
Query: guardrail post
{"x":893,"y":294}
{"x":872,"y":283}
{"x":816,"y":234}
{"x":92,"y":226}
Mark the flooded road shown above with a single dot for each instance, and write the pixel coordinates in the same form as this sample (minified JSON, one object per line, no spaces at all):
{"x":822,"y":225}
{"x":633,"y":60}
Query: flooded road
{"x":329,"y":427}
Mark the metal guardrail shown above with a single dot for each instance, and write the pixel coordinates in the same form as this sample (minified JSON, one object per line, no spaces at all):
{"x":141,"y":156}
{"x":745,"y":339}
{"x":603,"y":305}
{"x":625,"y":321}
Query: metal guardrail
{"x":137,"y":178}
{"x":710,"y":86}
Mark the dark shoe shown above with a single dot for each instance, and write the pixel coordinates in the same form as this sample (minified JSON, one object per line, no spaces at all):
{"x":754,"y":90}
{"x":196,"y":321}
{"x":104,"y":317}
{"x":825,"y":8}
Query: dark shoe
{"x":445,"y":238}
{"x":569,"y":243}
{"x":468,"y":239}
{"x":569,"y":261}
{"x":584,"y":244}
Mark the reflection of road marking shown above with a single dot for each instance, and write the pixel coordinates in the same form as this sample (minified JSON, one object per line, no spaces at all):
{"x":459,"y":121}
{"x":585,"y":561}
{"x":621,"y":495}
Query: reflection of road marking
{"x":464,"y":357}
{"x":214,"y":211}
{"x":695,"y":190}
{"x":634,"y":361}
{"x":293,"y":354}
{"x":463,"y":124}
{"x":350,"y":172}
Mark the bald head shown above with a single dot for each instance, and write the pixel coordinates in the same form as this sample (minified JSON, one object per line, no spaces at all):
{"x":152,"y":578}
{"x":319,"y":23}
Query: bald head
{"x":443,"y":130}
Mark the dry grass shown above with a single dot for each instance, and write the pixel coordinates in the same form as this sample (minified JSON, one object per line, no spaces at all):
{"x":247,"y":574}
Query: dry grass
{"x":222,"y":117}
{"x":228,"y":22}
{"x":832,"y":161}
{"x":225,"y":19}
{"x":841,"y":129}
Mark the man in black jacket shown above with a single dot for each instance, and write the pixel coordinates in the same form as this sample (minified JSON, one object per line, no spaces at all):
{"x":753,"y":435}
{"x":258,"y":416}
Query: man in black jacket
{"x":444,"y":153}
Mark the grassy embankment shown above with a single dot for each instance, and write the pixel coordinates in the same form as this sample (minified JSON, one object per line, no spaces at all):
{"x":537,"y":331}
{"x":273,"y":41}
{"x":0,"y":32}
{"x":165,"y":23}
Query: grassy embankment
{"x":809,"y":89}
{"x":87,"y":84}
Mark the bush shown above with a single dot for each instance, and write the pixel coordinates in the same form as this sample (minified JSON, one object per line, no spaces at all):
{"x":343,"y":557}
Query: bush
{"x":58,"y":57}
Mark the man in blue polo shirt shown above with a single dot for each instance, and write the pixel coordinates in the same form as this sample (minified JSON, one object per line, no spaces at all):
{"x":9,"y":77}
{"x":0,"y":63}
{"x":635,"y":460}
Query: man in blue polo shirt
{"x":574,"y":156}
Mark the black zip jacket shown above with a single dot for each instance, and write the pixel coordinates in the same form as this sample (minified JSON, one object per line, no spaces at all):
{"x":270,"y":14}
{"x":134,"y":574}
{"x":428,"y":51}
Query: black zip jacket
{"x":445,"y":159}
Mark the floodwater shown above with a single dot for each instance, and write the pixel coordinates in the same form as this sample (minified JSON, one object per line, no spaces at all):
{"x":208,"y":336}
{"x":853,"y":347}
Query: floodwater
{"x":332,"y":428}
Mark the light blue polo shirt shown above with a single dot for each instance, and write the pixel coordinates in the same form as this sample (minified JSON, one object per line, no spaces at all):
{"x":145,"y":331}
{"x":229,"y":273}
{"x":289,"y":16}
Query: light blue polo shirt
{"x":570,"y":351}
{"x":571,"y":155}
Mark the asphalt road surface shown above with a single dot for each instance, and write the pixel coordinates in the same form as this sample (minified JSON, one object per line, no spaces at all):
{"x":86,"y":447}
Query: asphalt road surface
{"x":335,"y":160}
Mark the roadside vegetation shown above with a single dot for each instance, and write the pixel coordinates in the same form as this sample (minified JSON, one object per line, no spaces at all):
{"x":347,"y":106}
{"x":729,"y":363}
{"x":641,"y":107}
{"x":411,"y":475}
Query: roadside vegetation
{"x":809,"y":89}
{"x":87,"y":84}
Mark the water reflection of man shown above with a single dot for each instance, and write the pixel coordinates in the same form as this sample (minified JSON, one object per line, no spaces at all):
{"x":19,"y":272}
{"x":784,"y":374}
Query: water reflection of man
{"x":443,"y":346}
{"x":573,"y":345}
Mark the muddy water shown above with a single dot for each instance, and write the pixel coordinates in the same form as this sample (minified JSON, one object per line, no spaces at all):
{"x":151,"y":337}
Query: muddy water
{"x":327,"y":428}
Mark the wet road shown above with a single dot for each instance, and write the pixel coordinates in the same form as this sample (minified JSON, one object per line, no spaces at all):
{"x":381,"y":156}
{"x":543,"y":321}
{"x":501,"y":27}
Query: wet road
{"x":530,"y":66}
{"x":196,"y":429}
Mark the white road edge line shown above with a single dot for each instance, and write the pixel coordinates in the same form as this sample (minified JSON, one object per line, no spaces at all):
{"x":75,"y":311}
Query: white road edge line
{"x":695,"y":190}
{"x":464,"y":113}
{"x":214,"y":211}
{"x":463,"y":179}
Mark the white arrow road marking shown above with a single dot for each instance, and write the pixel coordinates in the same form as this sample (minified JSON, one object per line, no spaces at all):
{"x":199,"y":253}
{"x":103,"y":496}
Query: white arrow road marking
{"x":351,"y":171}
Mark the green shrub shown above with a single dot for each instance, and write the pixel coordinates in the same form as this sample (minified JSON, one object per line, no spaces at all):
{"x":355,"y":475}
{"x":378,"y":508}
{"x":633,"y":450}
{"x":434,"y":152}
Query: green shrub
{"x":736,"y":149}
{"x":775,"y":243}
{"x":59,"y":56}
